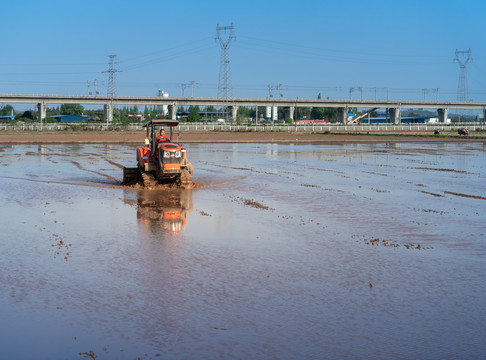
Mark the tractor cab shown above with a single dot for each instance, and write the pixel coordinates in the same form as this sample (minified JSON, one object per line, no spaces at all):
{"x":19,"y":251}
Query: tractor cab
{"x":152,"y":139}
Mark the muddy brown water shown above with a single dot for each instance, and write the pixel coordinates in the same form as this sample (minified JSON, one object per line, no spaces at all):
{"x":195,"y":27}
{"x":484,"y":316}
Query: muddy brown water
{"x":283,"y":251}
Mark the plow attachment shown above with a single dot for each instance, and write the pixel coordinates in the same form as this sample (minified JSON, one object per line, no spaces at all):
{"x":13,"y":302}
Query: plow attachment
{"x":130,"y":176}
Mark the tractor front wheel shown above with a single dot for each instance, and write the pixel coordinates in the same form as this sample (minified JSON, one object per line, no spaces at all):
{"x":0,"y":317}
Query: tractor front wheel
{"x":190,"y":168}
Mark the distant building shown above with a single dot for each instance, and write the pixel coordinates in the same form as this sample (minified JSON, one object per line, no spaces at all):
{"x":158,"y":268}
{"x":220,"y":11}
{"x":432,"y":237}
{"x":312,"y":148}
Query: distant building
{"x":139,"y":117}
{"x":310,"y":122}
{"x":404,"y":120}
{"x":74,"y":118}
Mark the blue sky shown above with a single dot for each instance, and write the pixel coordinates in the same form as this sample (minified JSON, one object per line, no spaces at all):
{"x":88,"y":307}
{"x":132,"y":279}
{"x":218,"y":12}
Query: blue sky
{"x":387,"y":48}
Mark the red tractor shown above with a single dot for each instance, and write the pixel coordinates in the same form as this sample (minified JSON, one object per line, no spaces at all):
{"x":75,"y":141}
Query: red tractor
{"x":160,"y":160}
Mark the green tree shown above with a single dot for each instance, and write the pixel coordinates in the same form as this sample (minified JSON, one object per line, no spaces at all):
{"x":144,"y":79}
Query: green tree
{"x":72,"y":109}
{"x":297,"y":114}
{"x":330,"y":114}
{"x":7,"y":110}
{"x":193,"y":114}
{"x":262,"y":112}
{"x":302,"y":112}
{"x":323,"y":113}
{"x":26,"y":116}
{"x":124,"y":119}
{"x":50,"y":120}
{"x":52,"y":111}
{"x":243,"y":113}
{"x":192,"y":107}
{"x":317,"y":113}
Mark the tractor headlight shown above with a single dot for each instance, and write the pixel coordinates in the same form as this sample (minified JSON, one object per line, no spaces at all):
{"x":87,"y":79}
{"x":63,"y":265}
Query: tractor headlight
{"x":167,"y":154}
{"x":178,"y":154}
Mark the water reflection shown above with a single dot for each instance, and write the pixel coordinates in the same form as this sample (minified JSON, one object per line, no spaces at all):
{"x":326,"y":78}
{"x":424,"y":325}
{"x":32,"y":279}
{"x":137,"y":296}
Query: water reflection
{"x":42,"y":149}
{"x":162,"y":209}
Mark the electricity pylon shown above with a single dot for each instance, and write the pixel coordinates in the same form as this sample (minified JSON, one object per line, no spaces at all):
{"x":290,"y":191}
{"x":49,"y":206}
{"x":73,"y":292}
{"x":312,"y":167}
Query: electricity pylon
{"x":111,"y":77}
{"x":225,"y":87}
{"x":462,"y":93}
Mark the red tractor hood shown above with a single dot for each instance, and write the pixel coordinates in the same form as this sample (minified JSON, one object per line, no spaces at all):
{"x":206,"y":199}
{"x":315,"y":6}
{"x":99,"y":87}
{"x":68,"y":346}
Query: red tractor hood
{"x":170,"y":146}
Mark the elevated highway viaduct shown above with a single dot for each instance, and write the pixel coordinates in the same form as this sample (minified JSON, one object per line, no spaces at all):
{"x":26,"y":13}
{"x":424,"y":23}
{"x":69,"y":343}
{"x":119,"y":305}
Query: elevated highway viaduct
{"x":394,"y":106}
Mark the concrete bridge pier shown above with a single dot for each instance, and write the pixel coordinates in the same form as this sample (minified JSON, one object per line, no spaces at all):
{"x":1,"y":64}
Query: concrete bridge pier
{"x":232,"y":109}
{"x":172,"y":109}
{"x":41,"y":111}
{"x":289,"y":112}
{"x":395,"y":115}
{"x":342,"y":115}
{"x":443,"y":114}
{"x":109,"y":112}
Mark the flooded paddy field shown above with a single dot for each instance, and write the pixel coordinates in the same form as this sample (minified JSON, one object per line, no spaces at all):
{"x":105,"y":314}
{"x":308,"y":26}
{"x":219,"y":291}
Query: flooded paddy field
{"x":280,"y":252}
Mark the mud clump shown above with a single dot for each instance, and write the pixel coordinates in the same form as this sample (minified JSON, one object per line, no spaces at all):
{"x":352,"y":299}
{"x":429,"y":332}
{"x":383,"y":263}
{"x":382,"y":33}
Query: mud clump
{"x":393,"y":244}
{"x":61,"y":246}
{"x":89,"y":354}
{"x":251,"y":203}
{"x":435,"y":211}
{"x":310,"y":185}
{"x":378,"y":242}
{"x":255,"y":204}
{"x":380,"y":191}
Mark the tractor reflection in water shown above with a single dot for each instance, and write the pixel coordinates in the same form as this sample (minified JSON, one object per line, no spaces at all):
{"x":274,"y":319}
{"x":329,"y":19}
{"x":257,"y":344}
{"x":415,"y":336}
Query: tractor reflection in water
{"x":166,"y":210}
{"x":463,"y":131}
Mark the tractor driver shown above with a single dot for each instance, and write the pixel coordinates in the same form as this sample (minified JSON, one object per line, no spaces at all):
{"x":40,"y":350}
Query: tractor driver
{"x":162,"y":137}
